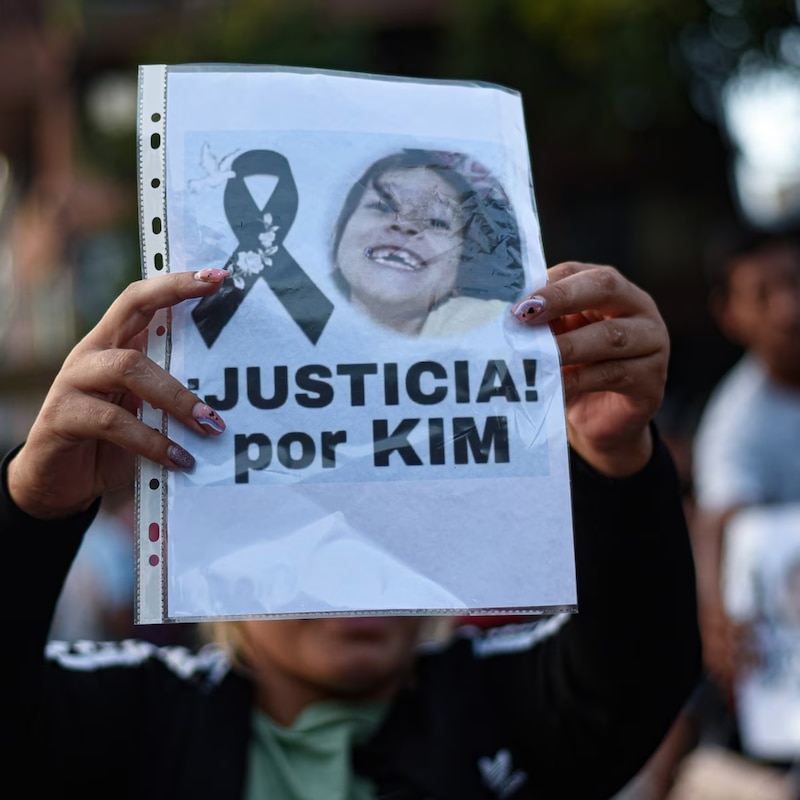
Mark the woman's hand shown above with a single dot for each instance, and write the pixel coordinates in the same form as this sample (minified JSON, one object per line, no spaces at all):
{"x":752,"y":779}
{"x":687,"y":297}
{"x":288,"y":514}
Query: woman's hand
{"x":86,"y":436}
{"x":614,"y":354}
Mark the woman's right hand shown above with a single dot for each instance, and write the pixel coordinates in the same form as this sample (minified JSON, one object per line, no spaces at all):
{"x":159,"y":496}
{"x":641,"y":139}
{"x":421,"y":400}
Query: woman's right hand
{"x":87,"y":434}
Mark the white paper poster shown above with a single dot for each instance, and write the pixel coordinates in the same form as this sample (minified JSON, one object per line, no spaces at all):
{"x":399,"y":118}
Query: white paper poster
{"x":395,"y":438}
{"x":762,"y":588}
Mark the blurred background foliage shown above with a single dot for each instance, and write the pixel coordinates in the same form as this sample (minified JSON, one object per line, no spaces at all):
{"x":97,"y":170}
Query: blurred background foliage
{"x":631,"y":158}
{"x":621,"y":97}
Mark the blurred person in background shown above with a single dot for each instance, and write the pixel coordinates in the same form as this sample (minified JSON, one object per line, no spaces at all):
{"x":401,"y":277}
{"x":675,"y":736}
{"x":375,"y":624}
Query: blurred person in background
{"x":747,"y":444}
{"x":97,"y":599}
{"x":746,"y":449}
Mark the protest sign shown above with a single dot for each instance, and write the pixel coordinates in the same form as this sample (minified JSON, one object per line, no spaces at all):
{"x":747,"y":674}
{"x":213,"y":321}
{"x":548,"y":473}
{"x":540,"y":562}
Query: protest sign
{"x":395,"y":438}
{"x":761,"y":575}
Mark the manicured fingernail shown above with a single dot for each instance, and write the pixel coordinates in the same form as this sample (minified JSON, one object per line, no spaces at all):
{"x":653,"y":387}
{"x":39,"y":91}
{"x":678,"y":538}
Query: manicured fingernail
{"x":206,"y":416}
{"x":211,"y":275}
{"x":529,"y":308}
{"x":181,"y":458}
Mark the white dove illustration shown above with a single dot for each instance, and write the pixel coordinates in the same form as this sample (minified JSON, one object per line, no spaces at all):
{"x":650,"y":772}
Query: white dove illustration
{"x":217,"y":170}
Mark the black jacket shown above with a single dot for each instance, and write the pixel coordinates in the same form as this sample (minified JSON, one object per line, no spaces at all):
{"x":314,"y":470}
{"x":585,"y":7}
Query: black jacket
{"x":568,"y":709}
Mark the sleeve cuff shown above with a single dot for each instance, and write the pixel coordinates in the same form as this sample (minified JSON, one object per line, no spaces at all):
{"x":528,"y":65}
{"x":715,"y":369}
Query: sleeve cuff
{"x":16,"y":518}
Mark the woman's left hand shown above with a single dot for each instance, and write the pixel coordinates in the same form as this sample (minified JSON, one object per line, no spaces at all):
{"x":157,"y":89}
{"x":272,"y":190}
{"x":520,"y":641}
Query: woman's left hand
{"x":614,"y":349}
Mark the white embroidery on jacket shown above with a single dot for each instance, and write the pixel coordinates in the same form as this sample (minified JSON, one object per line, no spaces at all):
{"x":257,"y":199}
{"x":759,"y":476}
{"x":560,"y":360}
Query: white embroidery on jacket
{"x":499,"y":775}
{"x":514,"y":638}
{"x":87,"y":656}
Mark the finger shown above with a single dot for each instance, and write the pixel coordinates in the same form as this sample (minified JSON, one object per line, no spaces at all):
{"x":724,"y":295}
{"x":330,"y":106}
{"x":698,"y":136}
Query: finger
{"x":612,"y":339}
{"x":635,"y":377}
{"x":133,"y":310}
{"x":97,"y":419}
{"x":575,"y":288}
{"x":112,"y":373}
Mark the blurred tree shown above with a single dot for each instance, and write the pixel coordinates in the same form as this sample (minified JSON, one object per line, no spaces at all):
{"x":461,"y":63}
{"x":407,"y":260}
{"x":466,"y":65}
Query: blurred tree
{"x":263,"y":32}
{"x":621,"y":99}
{"x":601,"y":68}
{"x":609,"y":84}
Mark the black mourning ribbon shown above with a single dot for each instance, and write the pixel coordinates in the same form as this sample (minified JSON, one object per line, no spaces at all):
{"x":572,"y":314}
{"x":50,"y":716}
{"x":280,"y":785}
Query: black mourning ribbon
{"x":300,"y":296}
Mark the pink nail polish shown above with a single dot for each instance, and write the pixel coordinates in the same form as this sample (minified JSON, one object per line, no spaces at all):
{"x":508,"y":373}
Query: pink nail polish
{"x":529,"y":308}
{"x":207,"y":417}
{"x":181,"y":458}
{"x":211,"y":275}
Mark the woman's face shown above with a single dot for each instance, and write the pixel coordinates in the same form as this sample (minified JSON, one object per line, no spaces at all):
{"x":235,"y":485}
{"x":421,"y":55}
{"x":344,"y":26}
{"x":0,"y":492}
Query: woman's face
{"x":299,"y":661}
{"x":401,"y":248}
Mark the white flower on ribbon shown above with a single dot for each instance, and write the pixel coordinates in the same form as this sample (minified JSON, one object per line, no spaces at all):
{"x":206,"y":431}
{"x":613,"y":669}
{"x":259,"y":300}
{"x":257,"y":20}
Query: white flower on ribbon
{"x":267,"y":239}
{"x":250,"y":262}
{"x":247,"y":263}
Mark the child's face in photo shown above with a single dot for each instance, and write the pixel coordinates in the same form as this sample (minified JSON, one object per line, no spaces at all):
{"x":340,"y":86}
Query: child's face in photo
{"x":402,"y":246}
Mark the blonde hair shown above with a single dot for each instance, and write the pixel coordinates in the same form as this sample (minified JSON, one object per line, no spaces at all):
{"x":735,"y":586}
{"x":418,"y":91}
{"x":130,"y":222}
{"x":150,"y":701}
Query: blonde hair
{"x":227,"y":635}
